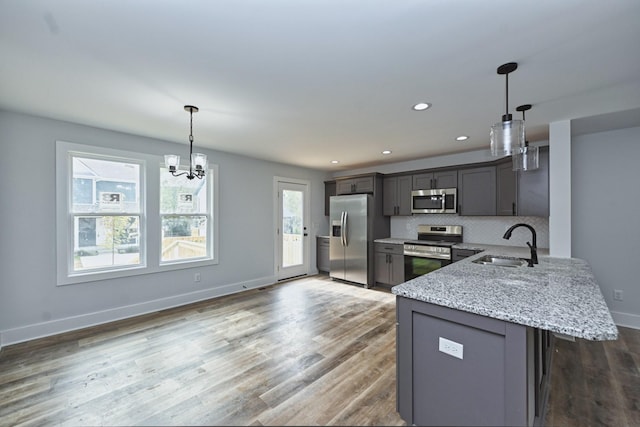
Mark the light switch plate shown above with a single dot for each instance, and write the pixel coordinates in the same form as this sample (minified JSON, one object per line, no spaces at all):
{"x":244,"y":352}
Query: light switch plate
{"x":451,"y":348}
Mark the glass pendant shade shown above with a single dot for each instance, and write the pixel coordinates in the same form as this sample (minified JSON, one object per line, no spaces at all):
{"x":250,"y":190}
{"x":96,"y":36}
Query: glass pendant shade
{"x":507,"y":137}
{"x":171,"y":161}
{"x":199,"y":161}
{"x":527,"y":158}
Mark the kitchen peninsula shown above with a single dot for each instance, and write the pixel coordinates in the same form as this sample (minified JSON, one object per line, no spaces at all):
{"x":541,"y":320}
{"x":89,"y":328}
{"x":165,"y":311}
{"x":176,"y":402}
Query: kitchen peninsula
{"x":473,"y":340}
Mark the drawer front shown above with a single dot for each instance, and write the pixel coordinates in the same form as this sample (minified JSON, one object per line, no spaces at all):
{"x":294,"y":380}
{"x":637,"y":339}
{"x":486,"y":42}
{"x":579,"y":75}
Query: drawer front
{"x":389,"y":248}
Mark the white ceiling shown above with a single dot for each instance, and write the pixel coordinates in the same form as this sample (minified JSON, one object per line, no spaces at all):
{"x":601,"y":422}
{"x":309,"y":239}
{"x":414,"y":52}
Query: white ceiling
{"x":307,"y":82}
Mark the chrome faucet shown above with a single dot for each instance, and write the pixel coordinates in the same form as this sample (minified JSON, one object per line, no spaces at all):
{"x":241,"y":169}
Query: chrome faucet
{"x":533,"y":247}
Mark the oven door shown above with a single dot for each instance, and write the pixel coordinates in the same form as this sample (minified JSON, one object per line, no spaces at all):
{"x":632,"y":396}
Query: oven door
{"x":415,"y":266}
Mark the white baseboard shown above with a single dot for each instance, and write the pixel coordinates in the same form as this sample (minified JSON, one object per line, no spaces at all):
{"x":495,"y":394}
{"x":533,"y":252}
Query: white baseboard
{"x":626,"y":319}
{"x":53,"y":327}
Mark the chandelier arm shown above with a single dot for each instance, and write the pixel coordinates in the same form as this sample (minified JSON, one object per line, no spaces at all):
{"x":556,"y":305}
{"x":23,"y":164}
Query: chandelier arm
{"x":174,"y":173}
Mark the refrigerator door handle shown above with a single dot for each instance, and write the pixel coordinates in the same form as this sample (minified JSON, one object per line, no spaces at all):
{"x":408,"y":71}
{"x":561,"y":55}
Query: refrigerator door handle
{"x":342,"y":228}
{"x":345,"y":231}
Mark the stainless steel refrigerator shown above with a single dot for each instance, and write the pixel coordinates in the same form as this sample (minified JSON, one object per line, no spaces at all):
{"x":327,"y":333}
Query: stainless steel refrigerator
{"x":350,"y":238}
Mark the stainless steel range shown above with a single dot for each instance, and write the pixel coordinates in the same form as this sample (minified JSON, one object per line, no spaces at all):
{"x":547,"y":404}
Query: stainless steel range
{"x":432,"y":249}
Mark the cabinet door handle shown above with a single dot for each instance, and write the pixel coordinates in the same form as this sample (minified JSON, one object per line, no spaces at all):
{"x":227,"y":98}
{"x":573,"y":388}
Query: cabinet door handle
{"x":431,"y":184}
{"x":513,"y":208}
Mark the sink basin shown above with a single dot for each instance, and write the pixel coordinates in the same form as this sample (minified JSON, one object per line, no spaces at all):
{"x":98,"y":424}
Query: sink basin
{"x":502,"y":261}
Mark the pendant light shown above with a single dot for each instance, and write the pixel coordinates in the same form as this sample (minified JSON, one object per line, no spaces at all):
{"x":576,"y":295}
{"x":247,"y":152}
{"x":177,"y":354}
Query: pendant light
{"x":198,"y":161}
{"x":507,"y":135}
{"x":526,"y":158}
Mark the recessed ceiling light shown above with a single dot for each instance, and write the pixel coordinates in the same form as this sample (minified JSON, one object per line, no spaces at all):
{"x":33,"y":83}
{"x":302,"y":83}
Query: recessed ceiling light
{"x":386,"y":152}
{"x":421,"y":106}
{"x":462,"y":138}
{"x":335,"y":162}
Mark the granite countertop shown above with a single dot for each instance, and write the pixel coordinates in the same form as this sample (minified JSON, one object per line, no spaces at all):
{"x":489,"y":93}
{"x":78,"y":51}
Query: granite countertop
{"x":560,"y":295}
{"x":391,"y":240}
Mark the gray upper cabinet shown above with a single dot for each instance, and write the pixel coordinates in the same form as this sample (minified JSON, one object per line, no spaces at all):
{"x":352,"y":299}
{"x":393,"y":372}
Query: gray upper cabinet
{"x":533,"y":188}
{"x":356,"y":185}
{"x":440,"y":179}
{"x":506,"y":189}
{"x":396,"y":195}
{"x":477,"y":191}
{"x":329,"y":190}
{"x":523,"y":193}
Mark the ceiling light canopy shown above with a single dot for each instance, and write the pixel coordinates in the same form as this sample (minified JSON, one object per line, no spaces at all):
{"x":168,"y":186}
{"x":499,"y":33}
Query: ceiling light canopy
{"x":507,"y":135}
{"x":198,"y":161}
{"x":525,"y":158}
{"x":421,"y":106}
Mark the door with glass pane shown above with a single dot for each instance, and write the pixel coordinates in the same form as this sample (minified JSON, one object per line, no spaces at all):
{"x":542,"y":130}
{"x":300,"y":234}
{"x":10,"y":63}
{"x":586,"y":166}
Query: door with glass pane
{"x":291,"y":230}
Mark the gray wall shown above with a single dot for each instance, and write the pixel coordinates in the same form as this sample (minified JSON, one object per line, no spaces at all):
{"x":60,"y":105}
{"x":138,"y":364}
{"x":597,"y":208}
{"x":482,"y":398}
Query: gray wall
{"x":32,"y":305}
{"x":605,"y":219}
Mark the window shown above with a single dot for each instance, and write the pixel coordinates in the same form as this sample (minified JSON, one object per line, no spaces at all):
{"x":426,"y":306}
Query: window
{"x":106,"y":211}
{"x":185,"y":219}
{"x":119,"y":213}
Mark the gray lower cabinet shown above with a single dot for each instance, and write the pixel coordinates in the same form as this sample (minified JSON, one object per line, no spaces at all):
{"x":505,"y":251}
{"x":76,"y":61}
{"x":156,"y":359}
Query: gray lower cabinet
{"x":458,"y":368}
{"x":396,"y":195}
{"x":477,"y":191}
{"x":322,"y":253}
{"x":389,"y":263}
{"x":460,"y":254}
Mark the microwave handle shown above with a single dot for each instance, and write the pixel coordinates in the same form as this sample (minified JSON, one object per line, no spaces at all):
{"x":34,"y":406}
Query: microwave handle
{"x":444,"y":198}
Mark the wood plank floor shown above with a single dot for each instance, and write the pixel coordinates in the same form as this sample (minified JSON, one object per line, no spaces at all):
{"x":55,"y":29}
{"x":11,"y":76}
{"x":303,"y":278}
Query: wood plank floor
{"x":306,"y":352}
{"x":596,"y":383}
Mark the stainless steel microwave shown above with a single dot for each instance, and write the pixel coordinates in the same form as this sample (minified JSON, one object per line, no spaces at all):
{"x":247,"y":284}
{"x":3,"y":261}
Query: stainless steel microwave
{"x":441,"y":200}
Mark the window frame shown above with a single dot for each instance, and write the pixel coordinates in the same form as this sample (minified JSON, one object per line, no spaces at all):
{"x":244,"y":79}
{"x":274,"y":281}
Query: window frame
{"x":150,"y":226}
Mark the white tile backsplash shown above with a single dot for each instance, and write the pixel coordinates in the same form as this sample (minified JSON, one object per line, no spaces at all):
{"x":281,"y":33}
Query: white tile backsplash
{"x":477,"y":229}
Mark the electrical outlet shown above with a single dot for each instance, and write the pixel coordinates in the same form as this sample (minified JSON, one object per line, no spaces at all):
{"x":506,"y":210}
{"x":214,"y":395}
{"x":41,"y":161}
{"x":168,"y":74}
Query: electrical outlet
{"x":196,"y":277}
{"x":617,"y":294}
{"x":451,"y":348}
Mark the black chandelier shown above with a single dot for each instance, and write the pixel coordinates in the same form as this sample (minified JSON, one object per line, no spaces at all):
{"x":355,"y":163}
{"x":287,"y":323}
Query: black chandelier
{"x":198,"y":161}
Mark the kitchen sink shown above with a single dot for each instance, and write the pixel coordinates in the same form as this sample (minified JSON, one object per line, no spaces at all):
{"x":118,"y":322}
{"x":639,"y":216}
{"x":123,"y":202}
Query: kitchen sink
{"x":502,"y":261}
